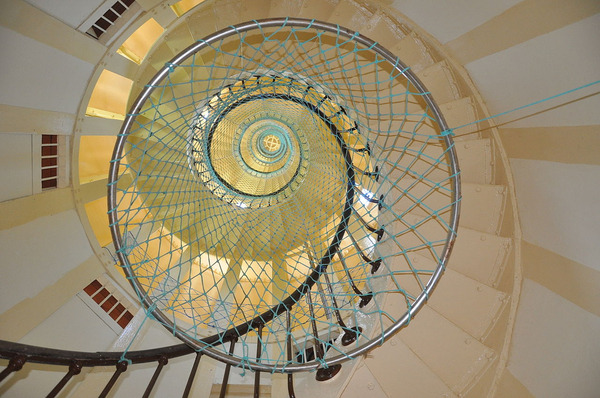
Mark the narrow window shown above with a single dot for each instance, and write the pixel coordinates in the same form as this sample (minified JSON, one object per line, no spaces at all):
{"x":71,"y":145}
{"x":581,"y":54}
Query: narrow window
{"x":49,"y":161}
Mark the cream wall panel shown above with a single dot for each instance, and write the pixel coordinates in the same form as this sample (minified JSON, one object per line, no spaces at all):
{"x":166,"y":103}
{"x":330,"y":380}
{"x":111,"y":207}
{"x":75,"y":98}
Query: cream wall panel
{"x":38,"y":76}
{"x":363,"y":384}
{"x":573,"y":281}
{"x":28,"y":208}
{"x":446,"y":20}
{"x":29,"y":21}
{"x":536,"y":17}
{"x":556,"y":349}
{"x":39,"y":253}
{"x":29,"y":313}
{"x":71,"y":12}
{"x":558,"y":207}
{"x":14,"y":119}
{"x":74,"y":326}
{"x":541,"y":67}
{"x":16,"y":174}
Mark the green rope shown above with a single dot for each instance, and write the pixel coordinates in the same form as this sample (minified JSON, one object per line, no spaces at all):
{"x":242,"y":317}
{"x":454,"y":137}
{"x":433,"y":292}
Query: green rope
{"x":242,"y":166}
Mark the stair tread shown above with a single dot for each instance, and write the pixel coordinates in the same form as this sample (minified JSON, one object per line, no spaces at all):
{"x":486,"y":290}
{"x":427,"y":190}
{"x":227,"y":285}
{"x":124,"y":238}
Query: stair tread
{"x":440,"y":82}
{"x":455,"y":356}
{"x":479,"y":255}
{"x":459,"y":112}
{"x":397,"y":368}
{"x":475,"y":160}
{"x":469,"y":304}
{"x":413,"y":53}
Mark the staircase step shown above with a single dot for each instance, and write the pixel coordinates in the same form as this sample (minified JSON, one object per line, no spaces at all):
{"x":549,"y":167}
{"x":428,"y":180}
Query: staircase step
{"x":440,"y":82}
{"x":475,"y":160}
{"x":458,"y":113}
{"x":482,"y":207}
{"x":351,"y":14}
{"x":203,"y":22}
{"x":317,"y":9}
{"x":255,"y":9}
{"x":382,"y":29}
{"x":401,"y":373}
{"x":180,"y":38}
{"x":363,"y":383}
{"x":240,"y":391}
{"x":413,"y":53}
{"x":451,"y":353}
{"x":471,"y":305}
{"x":284,"y":8}
{"x":480,"y":256}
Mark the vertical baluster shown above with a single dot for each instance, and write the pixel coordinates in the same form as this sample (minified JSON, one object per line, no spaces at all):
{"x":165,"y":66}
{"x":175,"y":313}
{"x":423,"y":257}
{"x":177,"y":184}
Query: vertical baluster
{"x":121,"y":367}
{"x":74,"y":369}
{"x":350,"y":334}
{"x":290,"y":376}
{"x":375,"y":264}
{"x":364,"y":298}
{"x":323,"y":373}
{"x":378,"y":232}
{"x":14,"y":365}
{"x":258,"y":354}
{"x":192,"y":376}
{"x":227,"y":370}
{"x":162,"y":361}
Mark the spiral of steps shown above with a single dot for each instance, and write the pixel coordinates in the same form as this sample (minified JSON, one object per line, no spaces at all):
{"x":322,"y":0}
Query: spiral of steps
{"x":455,"y":344}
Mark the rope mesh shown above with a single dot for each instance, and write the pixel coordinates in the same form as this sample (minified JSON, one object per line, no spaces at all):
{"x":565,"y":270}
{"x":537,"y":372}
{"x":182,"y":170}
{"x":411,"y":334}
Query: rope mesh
{"x":266,"y":157}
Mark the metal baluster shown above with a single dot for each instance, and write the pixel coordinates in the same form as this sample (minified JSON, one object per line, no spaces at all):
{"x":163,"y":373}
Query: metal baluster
{"x":290,"y":376}
{"x":364,"y":298}
{"x":323,"y":374}
{"x":121,"y":367}
{"x":162,"y":361}
{"x":74,"y":369}
{"x":258,"y":354}
{"x":373,"y":174}
{"x":375,"y":264}
{"x":350,"y":334}
{"x":379,"y":232}
{"x":227,"y":370}
{"x":190,"y":382}
{"x":14,"y":365}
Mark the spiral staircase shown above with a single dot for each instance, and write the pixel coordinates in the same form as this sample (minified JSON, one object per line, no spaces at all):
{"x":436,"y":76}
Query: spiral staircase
{"x":457,"y":343}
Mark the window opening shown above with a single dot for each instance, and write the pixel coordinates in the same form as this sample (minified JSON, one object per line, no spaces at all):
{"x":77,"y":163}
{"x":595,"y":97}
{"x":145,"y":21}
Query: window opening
{"x":49,"y":161}
{"x":108,"y":18}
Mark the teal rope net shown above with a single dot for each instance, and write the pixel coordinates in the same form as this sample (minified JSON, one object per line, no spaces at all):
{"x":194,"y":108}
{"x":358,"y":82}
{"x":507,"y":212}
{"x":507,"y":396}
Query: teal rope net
{"x":284,"y":182}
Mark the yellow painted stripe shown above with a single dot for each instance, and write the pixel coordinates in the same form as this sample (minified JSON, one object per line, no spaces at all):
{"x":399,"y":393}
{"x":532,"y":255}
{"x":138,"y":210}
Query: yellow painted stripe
{"x":567,"y":278}
{"x":29,"y":21}
{"x":570,"y":144}
{"x":16,"y":119}
{"x":23,"y":210}
{"x":522,"y":22}
{"x":91,"y":191}
{"x":29,"y":313}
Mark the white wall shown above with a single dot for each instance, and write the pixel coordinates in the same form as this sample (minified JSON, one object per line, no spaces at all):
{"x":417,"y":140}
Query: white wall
{"x":17,"y":171}
{"x":541,"y":67}
{"x":447,"y":20}
{"x":71,"y":12}
{"x":37,"y":76}
{"x":558,"y":207}
{"x":556,"y":349}
{"x":39,"y":253}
